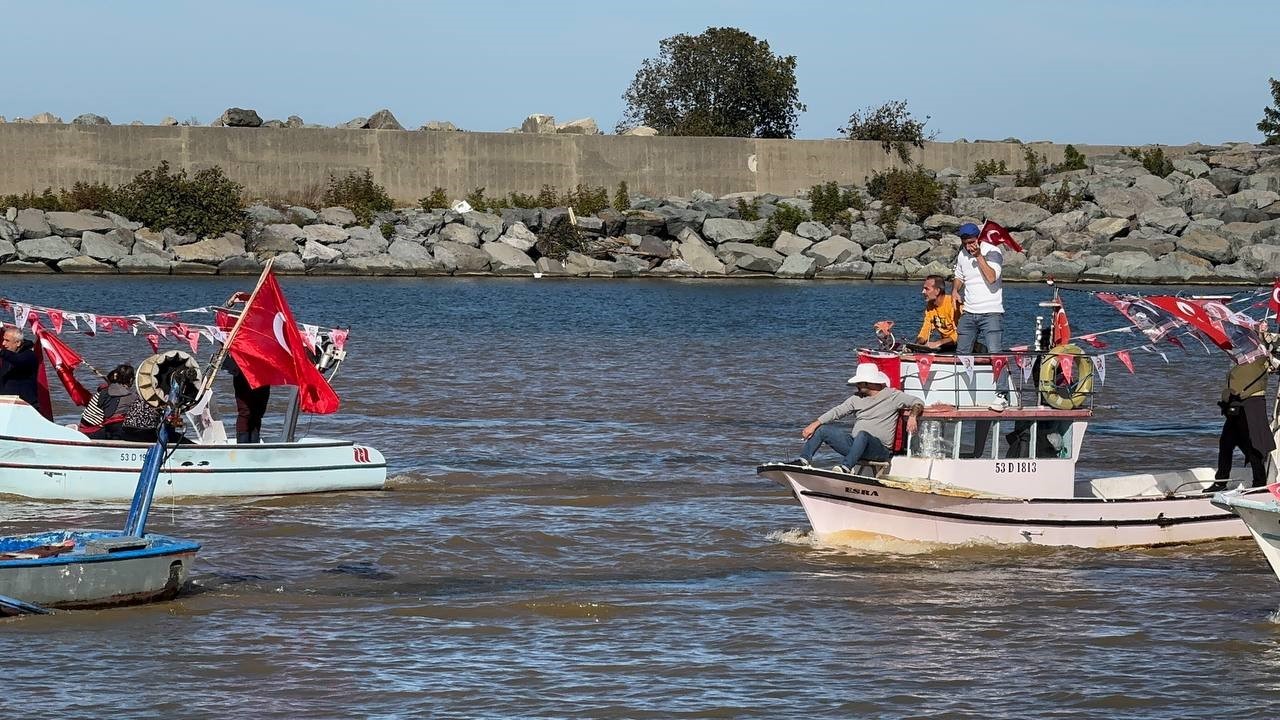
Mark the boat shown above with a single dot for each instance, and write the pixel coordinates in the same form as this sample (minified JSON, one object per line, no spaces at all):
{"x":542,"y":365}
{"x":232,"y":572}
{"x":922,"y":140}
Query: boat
{"x":970,"y":474}
{"x":1261,"y":514}
{"x":71,"y":569}
{"x":44,"y":460}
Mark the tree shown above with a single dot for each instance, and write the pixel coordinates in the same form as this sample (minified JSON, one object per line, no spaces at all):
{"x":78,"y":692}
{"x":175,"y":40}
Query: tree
{"x":1270,"y":123}
{"x":723,"y":82}
{"x":891,"y":125}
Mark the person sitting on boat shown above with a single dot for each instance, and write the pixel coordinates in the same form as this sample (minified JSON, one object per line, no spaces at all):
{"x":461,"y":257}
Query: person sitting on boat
{"x":18,"y":375}
{"x":1245,"y":425}
{"x":876,"y":407}
{"x":103,"y":417}
{"x":940,"y":314}
{"x":977,"y":283}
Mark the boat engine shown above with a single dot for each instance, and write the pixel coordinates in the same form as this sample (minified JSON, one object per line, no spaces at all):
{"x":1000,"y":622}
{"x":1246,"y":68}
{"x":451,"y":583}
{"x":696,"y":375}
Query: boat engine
{"x":157,"y":372}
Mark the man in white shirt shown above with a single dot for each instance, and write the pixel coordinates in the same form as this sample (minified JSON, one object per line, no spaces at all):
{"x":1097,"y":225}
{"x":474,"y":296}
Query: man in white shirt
{"x":977,"y":287}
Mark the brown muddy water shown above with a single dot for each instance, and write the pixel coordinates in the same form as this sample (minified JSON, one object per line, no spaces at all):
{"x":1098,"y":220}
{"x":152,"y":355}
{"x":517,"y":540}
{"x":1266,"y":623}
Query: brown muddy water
{"x":575,"y":529}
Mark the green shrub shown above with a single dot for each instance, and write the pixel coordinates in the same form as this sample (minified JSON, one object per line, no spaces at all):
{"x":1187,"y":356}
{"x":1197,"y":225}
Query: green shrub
{"x":889,"y":216}
{"x":586,"y":200}
{"x":831,"y":204}
{"x":206,"y":204}
{"x":1152,"y":159}
{"x":358,"y":193}
{"x":914,"y":188}
{"x":477,"y":200}
{"x":622,"y":198}
{"x":88,"y":196}
{"x":387,"y":229}
{"x":748,"y":210}
{"x":784,"y":219}
{"x":47,"y":201}
{"x":1033,"y":174}
{"x":984,"y":169}
{"x":521,"y":200}
{"x":1072,"y":159}
{"x":1060,"y":200}
{"x":559,"y":238}
{"x":547,"y":197}
{"x":438,"y":199}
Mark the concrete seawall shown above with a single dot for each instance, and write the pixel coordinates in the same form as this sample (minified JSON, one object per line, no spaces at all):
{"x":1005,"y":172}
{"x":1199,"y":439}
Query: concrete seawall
{"x":411,"y":163}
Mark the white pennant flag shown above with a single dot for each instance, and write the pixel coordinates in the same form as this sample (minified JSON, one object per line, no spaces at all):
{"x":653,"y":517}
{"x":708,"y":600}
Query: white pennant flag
{"x":311,"y":336}
{"x":141,"y":319}
{"x":967,"y":362}
{"x":92,"y":320}
{"x":1025,"y":364}
{"x":20,"y":313}
{"x":71,"y":318}
{"x":219,"y":334}
{"x":1100,"y":362}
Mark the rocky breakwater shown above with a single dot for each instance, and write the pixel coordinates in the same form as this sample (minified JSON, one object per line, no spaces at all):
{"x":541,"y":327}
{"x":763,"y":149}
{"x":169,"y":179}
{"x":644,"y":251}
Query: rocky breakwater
{"x":1214,"y":217}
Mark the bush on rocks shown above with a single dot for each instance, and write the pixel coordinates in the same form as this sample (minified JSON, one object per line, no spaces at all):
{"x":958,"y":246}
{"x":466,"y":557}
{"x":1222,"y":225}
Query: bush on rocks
{"x":984,"y":169}
{"x":438,"y":199}
{"x":205,"y":205}
{"x":1152,"y":159}
{"x":358,"y":193}
{"x":560,"y":238}
{"x":915,"y":188}
{"x":622,"y":198}
{"x":831,"y":204}
{"x":786,"y":218}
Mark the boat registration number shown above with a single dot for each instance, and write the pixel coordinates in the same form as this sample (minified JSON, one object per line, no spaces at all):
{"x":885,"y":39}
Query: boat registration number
{"x":1025,"y":466}
{"x":133,"y":456}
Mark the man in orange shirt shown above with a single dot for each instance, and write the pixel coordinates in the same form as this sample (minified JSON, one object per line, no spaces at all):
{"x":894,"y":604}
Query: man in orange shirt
{"x":940,"y":316}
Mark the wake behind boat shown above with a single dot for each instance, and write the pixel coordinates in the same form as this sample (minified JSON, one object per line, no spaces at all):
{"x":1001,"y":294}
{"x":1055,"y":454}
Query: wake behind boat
{"x":42,"y":459}
{"x":971,"y":474}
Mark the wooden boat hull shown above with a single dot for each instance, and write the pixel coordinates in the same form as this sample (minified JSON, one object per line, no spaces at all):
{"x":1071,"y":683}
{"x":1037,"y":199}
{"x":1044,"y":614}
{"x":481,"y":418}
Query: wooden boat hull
{"x":93,"y":574}
{"x":838,"y":502}
{"x":1261,"y":514}
{"x":39,"y":459}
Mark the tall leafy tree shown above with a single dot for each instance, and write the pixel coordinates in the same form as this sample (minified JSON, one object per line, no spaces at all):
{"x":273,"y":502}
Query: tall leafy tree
{"x":723,"y":82}
{"x":1270,"y":123}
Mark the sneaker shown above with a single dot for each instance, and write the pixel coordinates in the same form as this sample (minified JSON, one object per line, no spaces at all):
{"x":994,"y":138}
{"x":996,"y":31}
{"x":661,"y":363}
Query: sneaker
{"x":1000,"y":404}
{"x":840,"y":469}
{"x":1216,"y":487}
{"x":799,"y":461}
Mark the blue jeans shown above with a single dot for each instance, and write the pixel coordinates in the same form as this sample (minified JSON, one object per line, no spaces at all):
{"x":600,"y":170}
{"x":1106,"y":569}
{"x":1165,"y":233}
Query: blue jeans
{"x":852,"y":447}
{"x":991,"y":325}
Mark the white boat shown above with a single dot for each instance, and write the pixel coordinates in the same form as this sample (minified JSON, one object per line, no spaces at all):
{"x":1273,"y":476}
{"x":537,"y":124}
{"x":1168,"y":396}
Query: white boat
{"x":41,"y":459}
{"x":973,"y":475}
{"x":1261,"y":514}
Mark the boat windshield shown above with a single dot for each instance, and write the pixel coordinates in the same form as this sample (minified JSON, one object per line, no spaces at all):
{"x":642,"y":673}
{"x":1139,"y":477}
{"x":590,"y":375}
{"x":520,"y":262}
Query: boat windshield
{"x":992,"y":439}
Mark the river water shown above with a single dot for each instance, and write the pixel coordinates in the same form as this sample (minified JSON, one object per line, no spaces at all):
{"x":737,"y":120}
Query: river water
{"x":576,"y":530}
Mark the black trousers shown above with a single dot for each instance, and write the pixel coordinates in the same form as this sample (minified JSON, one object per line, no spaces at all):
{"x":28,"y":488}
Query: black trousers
{"x":1236,"y":434}
{"x":251,"y":405}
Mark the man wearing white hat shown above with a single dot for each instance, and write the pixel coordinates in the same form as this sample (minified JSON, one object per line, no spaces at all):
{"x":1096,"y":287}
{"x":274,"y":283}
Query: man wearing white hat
{"x":876,"y":407}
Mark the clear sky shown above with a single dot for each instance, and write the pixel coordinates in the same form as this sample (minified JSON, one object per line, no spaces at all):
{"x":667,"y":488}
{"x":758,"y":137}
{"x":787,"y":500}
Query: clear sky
{"x":1124,"y":72}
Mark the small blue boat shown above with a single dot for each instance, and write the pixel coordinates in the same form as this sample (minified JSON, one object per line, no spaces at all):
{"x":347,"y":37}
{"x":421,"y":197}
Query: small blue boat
{"x":101,"y":568}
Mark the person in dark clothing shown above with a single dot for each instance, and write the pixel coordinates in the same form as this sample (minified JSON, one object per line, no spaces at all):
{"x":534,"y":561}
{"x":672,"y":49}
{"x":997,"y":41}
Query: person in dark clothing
{"x":18,"y":374}
{"x":1245,"y":425}
{"x":103,"y":418}
{"x":251,"y":405}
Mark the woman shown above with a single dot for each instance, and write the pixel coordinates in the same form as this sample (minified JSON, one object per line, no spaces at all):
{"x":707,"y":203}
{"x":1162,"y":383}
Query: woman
{"x":104,"y":416}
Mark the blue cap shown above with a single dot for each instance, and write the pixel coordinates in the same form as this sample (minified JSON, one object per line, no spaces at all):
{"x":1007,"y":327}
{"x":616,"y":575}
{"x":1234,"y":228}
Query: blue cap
{"x":968,"y":230}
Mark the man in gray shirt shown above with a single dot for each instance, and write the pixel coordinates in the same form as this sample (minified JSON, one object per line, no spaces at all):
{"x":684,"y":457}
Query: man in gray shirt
{"x":876,"y":407}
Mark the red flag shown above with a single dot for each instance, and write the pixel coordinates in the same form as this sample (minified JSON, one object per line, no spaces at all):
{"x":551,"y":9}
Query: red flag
{"x":64,"y":361}
{"x":1274,"y":305}
{"x":1061,"y":328}
{"x":998,"y":363}
{"x":996,"y":235}
{"x":1093,"y":340}
{"x":55,"y":318}
{"x":1194,"y":315}
{"x":1123,"y":356}
{"x":269,"y":350}
{"x":154,"y":340}
{"x":1067,"y":364}
{"x":924,"y":361}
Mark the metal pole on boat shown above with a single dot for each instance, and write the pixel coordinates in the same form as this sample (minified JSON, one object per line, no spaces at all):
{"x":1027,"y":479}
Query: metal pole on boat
{"x":14,"y":606}
{"x":216,"y":363}
{"x":136,"y":522}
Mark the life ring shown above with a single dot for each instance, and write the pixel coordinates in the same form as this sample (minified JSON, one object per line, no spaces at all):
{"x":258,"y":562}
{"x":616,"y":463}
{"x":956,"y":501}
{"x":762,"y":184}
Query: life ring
{"x":1064,"y":395}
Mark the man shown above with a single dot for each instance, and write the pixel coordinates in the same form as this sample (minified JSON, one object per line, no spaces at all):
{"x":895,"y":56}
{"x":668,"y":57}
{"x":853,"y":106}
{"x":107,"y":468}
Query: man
{"x":876,"y":408}
{"x":18,"y":376}
{"x":1245,"y":424}
{"x":940,"y":312}
{"x":977,"y":286}
{"x":251,"y":405}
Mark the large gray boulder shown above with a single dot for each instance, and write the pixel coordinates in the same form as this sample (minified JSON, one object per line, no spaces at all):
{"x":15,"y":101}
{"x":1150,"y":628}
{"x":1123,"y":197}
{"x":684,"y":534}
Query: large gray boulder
{"x":73,"y":224}
{"x":9,"y":231}
{"x":698,"y":255}
{"x":90,"y":119}
{"x":277,"y":238}
{"x":581,"y":126}
{"x":85,"y":265}
{"x":243,"y":265}
{"x":100,"y":247}
{"x":314,"y":253}
{"x":1157,"y":186}
{"x":1225,"y":179}
{"x":1191,"y":165}
{"x":488,"y":227}
{"x":144,"y":264}
{"x":881,"y":253}
{"x":647,"y":222}
{"x":788,"y":244}
{"x":363,"y":242}
{"x":888,"y":271}
{"x":381,"y":264}
{"x":506,"y":260}
{"x":835,"y":250}
{"x":323,"y":234}
{"x":288,"y":264}
{"x":264,"y":214}
{"x":1210,"y":246}
{"x":941,"y":222}
{"x":1260,"y":258}
{"x":911,"y":249}
{"x":973,"y":207}
{"x":651,"y":246}
{"x":460,"y":257}
{"x":211,"y":251}
{"x":675,"y":267}
{"x":46,"y":249}
{"x":240,"y":117}
{"x":415,"y":255}
{"x":8,"y":251}
{"x":849,"y":270}
{"x":867,"y":235}
{"x":797,"y":266}
{"x":586,"y":266}
{"x":812,"y":230}
{"x":1173,"y":267}
{"x":519,"y":237}
{"x":1253,"y":199}
{"x":1125,"y":202}
{"x":1057,"y":225}
{"x":751,"y":258}
{"x":677,"y":219}
{"x":1167,"y":219}
{"x":540,"y":124}
{"x":723,"y":230}
{"x":1106,"y":228}
{"x":339,"y":216}
{"x":461,"y":234}
{"x":383,"y":120}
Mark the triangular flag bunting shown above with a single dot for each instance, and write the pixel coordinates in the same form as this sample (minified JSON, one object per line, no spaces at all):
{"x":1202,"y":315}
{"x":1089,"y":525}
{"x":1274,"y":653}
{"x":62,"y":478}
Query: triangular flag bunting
{"x":154,"y":340}
{"x":924,"y":362}
{"x":1067,"y":365}
{"x":1100,"y":365}
{"x":55,"y":319}
{"x":967,"y":362}
{"x":998,"y":364}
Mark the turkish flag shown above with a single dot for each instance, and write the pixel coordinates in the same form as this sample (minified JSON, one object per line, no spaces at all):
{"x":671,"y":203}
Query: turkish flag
{"x":923,"y":363}
{"x":269,"y":350}
{"x":996,"y":235}
{"x":1123,"y":355}
{"x":64,"y":361}
{"x":1194,"y":315}
{"x":1061,"y":327}
{"x":1274,"y":305}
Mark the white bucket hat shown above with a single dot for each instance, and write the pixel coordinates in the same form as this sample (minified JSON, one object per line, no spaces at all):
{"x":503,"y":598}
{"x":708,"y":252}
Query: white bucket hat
{"x":869,"y":373}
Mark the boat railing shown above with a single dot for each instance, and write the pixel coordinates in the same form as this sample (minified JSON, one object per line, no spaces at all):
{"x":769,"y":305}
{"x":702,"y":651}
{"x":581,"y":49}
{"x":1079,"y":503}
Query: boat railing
{"x":1027,"y":379}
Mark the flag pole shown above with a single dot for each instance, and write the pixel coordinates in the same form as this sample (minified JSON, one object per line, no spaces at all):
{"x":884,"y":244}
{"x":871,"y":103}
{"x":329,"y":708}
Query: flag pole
{"x":216,"y":364}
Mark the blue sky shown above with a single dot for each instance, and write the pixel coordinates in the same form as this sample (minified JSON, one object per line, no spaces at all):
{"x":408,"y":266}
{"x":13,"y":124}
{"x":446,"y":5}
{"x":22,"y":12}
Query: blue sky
{"x":1088,"y":72}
